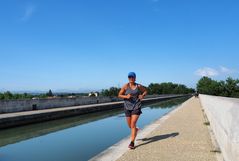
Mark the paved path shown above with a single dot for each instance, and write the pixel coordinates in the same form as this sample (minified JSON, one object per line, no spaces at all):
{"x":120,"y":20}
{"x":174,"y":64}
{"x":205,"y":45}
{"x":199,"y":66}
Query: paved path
{"x":182,"y":137}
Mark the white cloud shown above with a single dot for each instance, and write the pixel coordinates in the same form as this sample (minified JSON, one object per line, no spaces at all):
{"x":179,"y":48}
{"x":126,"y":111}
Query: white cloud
{"x":206,"y":71}
{"x":29,"y":10}
{"x":225,"y":70}
{"x":210,"y":72}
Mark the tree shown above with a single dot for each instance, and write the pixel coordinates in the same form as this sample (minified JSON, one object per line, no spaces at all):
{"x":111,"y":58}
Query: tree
{"x":113,"y":91}
{"x":1,"y":96}
{"x":228,"y":88}
{"x":8,"y":95}
{"x":169,"y":88}
{"x":49,"y":93}
{"x":180,"y":89}
{"x":208,"y":86}
{"x":231,"y":87}
{"x":154,"y":88}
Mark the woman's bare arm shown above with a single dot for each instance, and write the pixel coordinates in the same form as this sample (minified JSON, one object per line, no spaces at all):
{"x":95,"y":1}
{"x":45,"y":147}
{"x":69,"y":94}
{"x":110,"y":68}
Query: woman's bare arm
{"x":122,"y":93}
{"x":144,"y":92}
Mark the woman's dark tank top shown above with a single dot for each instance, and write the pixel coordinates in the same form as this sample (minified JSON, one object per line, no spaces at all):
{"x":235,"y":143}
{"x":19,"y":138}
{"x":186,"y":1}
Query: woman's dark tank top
{"x":134,"y":102}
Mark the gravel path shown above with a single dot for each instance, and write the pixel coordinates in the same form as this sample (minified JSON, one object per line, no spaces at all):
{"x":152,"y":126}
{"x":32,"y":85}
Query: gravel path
{"x":182,"y":137}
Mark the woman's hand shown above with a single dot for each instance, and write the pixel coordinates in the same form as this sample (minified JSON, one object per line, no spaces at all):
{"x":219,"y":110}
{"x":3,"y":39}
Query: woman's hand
{"x":141,"y":97}
{"x":144,"y":92}
{"x":128,"y":96}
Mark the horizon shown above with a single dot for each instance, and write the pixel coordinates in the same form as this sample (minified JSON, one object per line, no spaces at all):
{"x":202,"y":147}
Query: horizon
{"x":80,"y":46}
{"x":67,"y":90}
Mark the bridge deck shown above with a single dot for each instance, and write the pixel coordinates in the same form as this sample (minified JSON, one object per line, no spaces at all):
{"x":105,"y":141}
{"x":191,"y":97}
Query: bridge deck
{"x":182,"y":137}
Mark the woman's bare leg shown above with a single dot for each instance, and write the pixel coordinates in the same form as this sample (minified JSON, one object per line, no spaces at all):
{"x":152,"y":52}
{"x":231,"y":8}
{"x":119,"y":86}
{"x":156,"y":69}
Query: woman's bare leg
{"x":134,"y":119}
{"x":128,"y":119}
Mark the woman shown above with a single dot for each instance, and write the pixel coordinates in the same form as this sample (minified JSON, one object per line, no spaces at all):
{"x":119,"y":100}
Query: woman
{"x":132,"y":93}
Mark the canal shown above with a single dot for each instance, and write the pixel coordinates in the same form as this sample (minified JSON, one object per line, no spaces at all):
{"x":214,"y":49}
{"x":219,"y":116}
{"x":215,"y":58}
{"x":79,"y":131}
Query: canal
{"x":76,"y":138}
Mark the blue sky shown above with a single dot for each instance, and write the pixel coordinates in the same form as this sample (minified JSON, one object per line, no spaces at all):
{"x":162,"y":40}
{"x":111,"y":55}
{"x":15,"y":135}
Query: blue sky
{"x":93,"y":44}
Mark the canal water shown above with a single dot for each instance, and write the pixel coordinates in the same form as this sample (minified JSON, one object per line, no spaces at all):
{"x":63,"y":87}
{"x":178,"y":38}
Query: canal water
{"x":76,"y":138}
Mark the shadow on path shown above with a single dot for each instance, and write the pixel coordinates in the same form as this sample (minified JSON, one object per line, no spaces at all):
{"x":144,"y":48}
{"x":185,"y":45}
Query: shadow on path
{"x":156,"y":138}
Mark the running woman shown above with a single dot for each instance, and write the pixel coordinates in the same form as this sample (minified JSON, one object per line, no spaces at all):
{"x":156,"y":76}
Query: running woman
{"x":132,"y":93}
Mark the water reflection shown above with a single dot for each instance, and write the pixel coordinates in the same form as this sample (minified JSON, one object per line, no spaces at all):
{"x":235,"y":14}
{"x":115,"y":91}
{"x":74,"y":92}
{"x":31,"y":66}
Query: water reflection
{"x":14,"y":135}
{"x":75,"y":138}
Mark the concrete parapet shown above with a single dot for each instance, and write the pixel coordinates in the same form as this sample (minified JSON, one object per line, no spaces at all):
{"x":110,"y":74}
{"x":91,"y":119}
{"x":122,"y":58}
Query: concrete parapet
{"x":223,"y":115}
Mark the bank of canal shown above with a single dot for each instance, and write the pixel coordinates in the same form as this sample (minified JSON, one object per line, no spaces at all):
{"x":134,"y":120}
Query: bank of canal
{"x":76,"y":138}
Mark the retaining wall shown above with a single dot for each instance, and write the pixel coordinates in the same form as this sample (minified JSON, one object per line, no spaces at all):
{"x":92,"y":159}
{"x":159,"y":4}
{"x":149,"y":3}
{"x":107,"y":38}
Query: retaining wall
{"x":28,"y":117}
{"x":223,"y":114}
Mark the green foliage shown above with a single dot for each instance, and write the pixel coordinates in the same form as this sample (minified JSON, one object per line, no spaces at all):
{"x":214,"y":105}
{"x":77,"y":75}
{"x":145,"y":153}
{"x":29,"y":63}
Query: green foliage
{"x":113,"y":91}
{"x":208,"y":86}
{"x":169,"y":88}
{"x":231,"y":87}
{"x":153,"y":88}
{"x":8,"y":96}
{"x":228,"y":88}
{"x":49,"y":93}
{"x":1,"y":96}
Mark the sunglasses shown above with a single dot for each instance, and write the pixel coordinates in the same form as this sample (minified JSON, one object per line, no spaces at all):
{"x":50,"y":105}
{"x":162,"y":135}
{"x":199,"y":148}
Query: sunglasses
{"x":131,"y":77}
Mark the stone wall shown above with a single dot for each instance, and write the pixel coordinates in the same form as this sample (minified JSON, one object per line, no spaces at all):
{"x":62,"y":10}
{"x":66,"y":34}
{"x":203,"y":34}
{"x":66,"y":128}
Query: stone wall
{"x":7,"y":106}
{"x":223,"y":115}
{"x":23,"y":118}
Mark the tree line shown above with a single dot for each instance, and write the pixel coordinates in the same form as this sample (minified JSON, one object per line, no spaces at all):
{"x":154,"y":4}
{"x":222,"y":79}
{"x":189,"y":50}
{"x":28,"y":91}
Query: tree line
{"x":155,"y":88}
{"x":169,"y":88}
{"x":206,"y":85}
{"x":10,"y":96}
{"x":227,"y":88}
